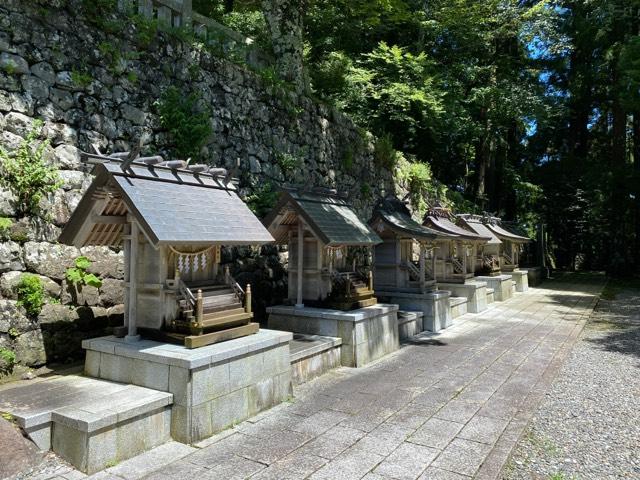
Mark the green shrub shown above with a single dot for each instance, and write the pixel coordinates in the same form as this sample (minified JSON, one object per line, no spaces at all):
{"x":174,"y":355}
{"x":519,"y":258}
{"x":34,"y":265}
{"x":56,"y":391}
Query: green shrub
{"x":25,"y":173}
{"x":81,"y":79}
{"x":365,"y":190}
{"x":384,"y":154}
{"x":347,"y":159}
{"x":30,"y":293}
{"x":262,"y":200}
{"x":7,"y":360}
{"x":288,"y":162}
{"x":418,"y":180}
{"x":5,"y":228}
{"x":78,"y":275}
{"x":187,"y":124}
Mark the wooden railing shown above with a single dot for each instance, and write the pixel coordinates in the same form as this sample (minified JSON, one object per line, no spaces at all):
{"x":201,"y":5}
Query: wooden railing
{"x":244,"y":296}
{"x":508,"y":258}
{"x":458,"y":267}
{"x":180,"y":14}
{"x":414,"y":272}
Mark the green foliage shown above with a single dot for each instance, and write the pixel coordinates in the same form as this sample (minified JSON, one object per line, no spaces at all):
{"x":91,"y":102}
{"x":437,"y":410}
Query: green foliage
{"x":418,"y":180}
{"x":288,"y":162}
{"x":347,"y":159}
{"x":5,"y":228}
{"x":10,"y":68}
{"x":384,"y":154}
{"x":81,"y":79}
{"x":262,"y":200}
{"x":13,"y":332}
{"x":25,"y":173}
{"x":186,"y":121}
{"x":365,"y":190}
{"x":8,"y":358}
{"x":30,"y":293}
{"x":78,"y":276}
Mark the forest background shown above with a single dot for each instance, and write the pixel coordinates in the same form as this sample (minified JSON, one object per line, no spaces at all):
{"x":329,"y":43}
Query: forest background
{"x":526,"y":109}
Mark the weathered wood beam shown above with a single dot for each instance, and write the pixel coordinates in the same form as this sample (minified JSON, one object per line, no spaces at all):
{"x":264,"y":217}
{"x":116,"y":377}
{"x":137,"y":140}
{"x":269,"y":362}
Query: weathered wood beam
{"x":109,"y":219}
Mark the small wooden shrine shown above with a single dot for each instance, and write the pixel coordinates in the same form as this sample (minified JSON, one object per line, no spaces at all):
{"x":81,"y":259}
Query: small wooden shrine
{"x":171,"y":219}
{"x":329,"y":249}
{"x":455,"y":256}
{"x":511,"y":245}
{"x":406,"y":260}
{"x":487,"y":259}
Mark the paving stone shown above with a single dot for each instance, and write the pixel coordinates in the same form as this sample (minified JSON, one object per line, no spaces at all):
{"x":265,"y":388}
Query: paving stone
{"x":433,"y":473}
{"x":483,"y":429}
{"x":457,"y":410}
{"x":146,"y":463}
{"x":333,"y":442}
{"x":462,"y":456}
{"x":354,"y":463}
{"x":408,"y":461}
{"x":436,"y":433}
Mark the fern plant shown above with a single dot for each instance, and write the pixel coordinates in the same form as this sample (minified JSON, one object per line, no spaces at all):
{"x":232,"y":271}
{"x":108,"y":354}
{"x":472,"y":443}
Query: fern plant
{"x":25,"y":173}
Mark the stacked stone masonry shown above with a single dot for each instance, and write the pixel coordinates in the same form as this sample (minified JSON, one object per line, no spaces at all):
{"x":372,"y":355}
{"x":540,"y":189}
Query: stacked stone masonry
{"x":45,"y":47}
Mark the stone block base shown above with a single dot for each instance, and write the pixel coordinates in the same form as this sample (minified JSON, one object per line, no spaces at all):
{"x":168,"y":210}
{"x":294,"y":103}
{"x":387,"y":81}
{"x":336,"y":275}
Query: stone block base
{"x":475,"y":292}
{"x":490,"y":298}
{"x":535,"y":275}
{"x":458,"y":306}
{"x":312,"y":356}
{"x":93,"y":450}
{"x":502,"y":286}
{"x":367,"y":334}
{"x":214,"y":387}
{"x":521,"y":277}
{"x":434,"y":305}
{"x":409,"y":324}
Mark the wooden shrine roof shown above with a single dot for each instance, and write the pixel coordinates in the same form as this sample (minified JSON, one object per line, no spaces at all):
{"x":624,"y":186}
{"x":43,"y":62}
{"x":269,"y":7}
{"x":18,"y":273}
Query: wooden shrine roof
{"x":495,"y":226}
{"x":394,"y":214}
{"x":441,"y":219}
{"x":475,"y":223}
{"x":330,"y":217}
{"x":173,"y":206}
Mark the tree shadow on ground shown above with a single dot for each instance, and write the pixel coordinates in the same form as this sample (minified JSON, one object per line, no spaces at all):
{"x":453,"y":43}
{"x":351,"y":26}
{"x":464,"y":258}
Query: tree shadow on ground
{"x":620,"y":338}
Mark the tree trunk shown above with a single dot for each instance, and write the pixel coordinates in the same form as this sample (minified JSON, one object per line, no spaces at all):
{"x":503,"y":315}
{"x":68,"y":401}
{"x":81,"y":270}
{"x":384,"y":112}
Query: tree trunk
{"x":285,"y":21}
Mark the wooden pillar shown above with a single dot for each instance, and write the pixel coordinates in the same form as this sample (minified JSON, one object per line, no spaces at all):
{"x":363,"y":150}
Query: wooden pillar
{"x":299,"y":303}
{"x":127,"y":261}
{"x":433,"y":262}
{"x":398,"y":262}
{"x":423,"y":268}
{"x":132,"y":335}
{"x":464,"y":258}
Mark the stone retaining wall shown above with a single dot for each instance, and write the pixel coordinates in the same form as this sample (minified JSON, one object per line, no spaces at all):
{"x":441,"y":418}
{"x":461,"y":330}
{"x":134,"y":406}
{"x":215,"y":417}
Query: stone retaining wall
{"x":95,"y":88}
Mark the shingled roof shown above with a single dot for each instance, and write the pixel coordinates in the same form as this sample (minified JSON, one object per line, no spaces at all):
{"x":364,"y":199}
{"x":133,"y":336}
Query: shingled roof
{"x":441,"y":219}
{"x":475,"y":223}
{"x":495,"y":226}
{"x":173,"y":206}
{"x":329,"y":216}
{"x":394,"y":214}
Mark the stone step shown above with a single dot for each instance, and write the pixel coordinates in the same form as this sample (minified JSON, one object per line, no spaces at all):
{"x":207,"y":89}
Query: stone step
{"x":312,"y":356}
{"x":91,"y":423}
{"x":226,"y":321}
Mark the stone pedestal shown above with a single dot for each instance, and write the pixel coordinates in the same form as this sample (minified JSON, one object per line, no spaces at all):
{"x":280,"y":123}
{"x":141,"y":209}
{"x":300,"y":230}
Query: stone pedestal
{"x":502,"y":286}
{"x":367,"y":334}
{"x":213,"y":387}
{"x":521,"y":277}
{"x":434,"y":305}
{"x":535,"y":275}
{"x":409,"y":324}
{"x":475,"y":292}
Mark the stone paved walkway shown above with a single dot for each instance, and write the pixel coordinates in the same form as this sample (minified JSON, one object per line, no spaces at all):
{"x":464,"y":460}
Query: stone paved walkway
{"x":447,"y":406}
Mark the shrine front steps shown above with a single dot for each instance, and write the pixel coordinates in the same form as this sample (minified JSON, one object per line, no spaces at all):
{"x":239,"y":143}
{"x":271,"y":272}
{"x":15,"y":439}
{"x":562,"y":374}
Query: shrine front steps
{"x":91,"y":423}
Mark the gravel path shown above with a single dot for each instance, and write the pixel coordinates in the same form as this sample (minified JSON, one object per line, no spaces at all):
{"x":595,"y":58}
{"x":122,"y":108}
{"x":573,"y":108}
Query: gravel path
{"x":588,"y":426}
